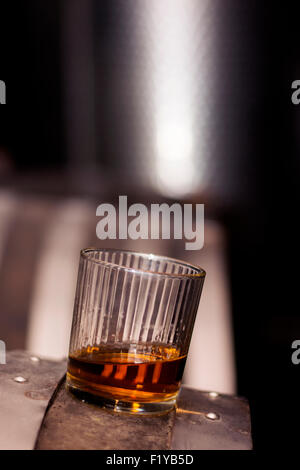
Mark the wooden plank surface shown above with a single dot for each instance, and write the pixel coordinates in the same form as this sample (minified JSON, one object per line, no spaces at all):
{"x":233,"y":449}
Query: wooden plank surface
{"x":201,"y":421}
{"x":72,"y":424}
{"x":40,"y":410}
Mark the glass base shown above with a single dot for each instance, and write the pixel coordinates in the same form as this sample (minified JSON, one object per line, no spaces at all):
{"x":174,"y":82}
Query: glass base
{"x":120,"y":406}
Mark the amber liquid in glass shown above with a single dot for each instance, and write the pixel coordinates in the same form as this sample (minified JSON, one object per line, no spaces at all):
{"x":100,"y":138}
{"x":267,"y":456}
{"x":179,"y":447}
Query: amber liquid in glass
{"x":127,"y":376}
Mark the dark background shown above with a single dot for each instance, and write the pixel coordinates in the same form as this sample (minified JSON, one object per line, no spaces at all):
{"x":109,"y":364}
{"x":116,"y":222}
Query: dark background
{"x":255,"y":147}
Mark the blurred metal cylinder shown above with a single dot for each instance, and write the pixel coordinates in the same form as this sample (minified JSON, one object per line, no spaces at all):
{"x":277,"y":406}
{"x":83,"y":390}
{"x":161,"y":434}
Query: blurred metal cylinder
{"x":138,"y":89}
{"x":155,"y":93}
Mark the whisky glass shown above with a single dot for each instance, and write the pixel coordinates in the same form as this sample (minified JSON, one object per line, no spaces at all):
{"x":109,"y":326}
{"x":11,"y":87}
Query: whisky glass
{"x":133,"y":319}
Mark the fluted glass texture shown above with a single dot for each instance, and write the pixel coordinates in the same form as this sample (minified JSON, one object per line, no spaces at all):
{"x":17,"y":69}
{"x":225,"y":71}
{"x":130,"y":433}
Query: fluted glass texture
{"x":133,"y":309}
{"x":131,"y":298}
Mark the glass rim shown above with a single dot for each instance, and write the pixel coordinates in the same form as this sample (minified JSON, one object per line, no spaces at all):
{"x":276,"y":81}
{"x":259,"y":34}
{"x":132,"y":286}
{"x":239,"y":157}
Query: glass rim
{"x":200,"y":272}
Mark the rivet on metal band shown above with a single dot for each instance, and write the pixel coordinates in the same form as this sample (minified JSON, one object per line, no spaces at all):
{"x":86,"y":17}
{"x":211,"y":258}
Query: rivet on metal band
{"x":20,"y":379}
{"x":212,"y":416}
